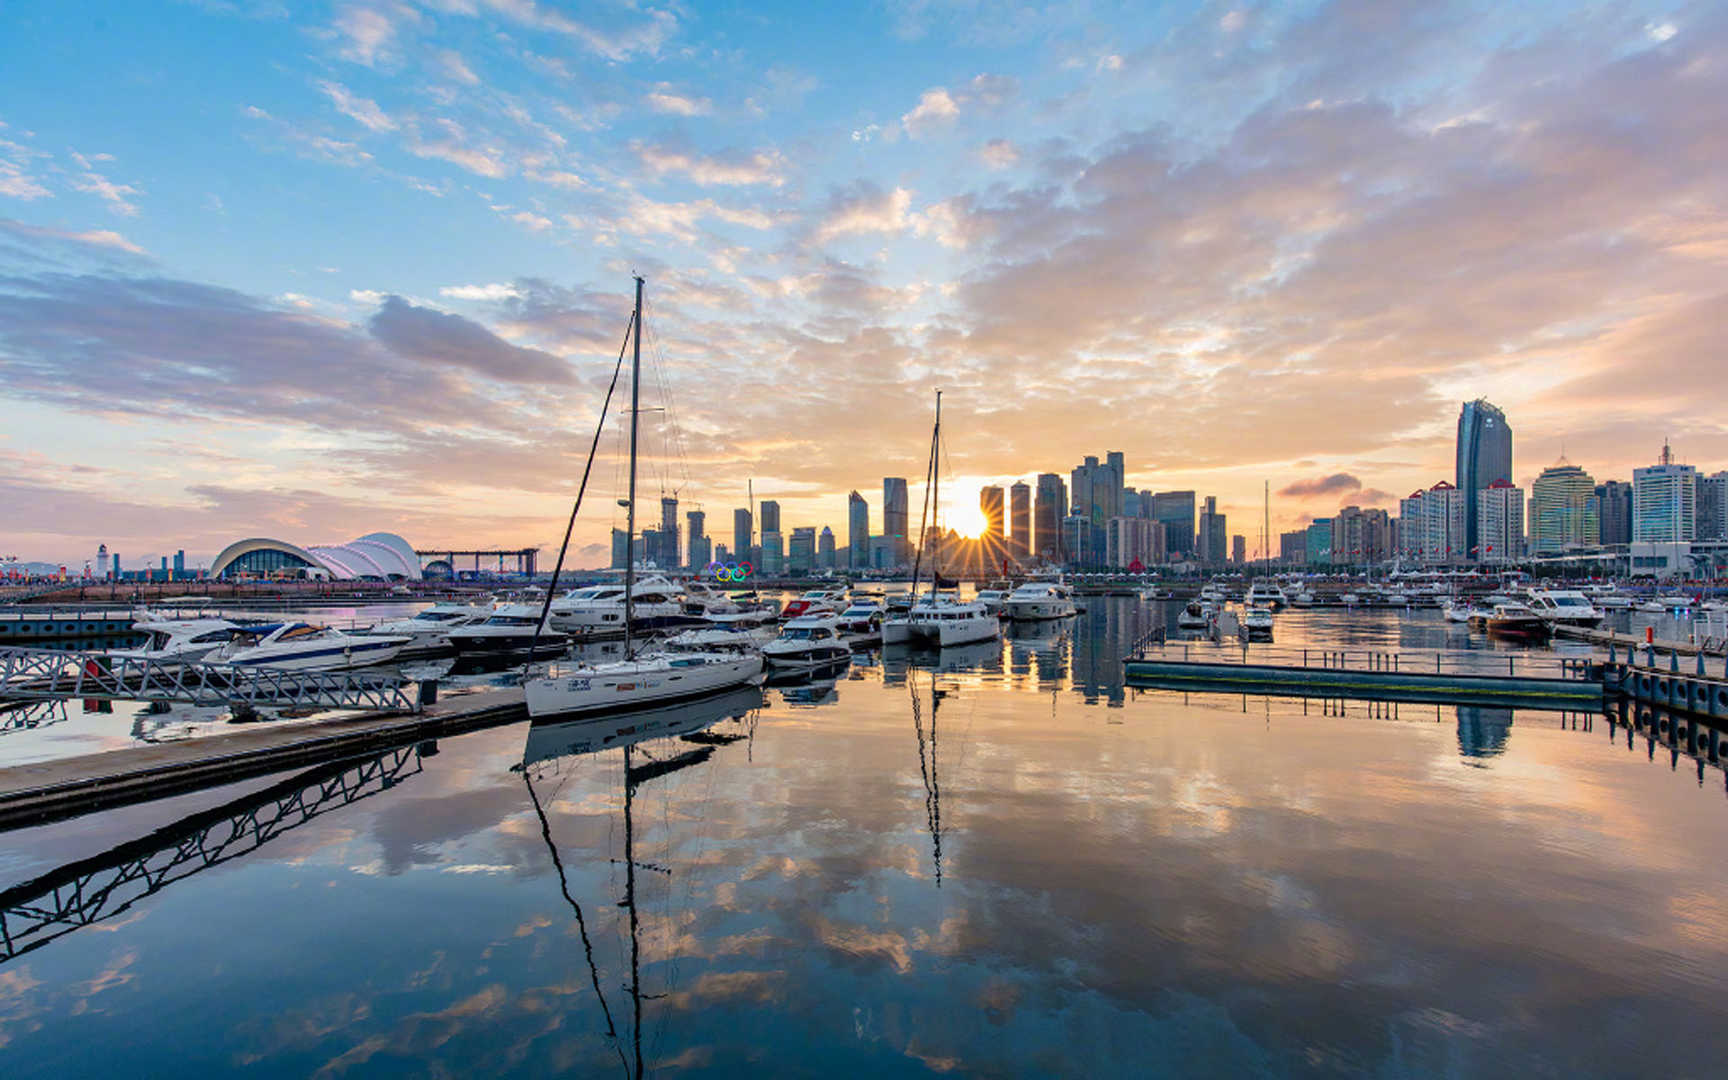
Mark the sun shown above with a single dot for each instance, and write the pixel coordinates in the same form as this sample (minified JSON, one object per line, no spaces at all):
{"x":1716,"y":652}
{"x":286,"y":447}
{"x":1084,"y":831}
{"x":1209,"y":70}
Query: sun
{"x":968,"y":521}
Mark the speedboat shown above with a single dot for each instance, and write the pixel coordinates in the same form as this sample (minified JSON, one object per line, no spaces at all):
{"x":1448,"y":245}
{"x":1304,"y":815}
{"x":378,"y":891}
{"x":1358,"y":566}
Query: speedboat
{"x":430,"y":629}
{"x":1564,"y":606}
{"x":654,"y":679}
{"x":1513,"y":621}
{"x":1255,"y":623}
{"x":861,"y":622}
{"x":1613,"y":601}
{"x":185,"y":641}
{"x":1214,"y":592}
{"x":510,"y":630}
{"x":1459,"y":611}
{"x":807,"y":641}
{"x":943,"y":621}
{"x":1303,"y":598}
{"x":1038,"y":600}
{"x":1267,"y":592}
{"x":816,"y":602}
{"x":298,"y":646}
{"x":1193,"y":617}
{"x":1663,"y":604}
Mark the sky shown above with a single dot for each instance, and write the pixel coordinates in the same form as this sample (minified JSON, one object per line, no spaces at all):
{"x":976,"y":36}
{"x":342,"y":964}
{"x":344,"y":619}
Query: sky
{"x":314,"y":270}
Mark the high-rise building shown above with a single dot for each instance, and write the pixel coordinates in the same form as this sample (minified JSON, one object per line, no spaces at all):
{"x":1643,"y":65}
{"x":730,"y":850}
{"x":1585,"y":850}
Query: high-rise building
{"x":857,"y":532}
{"x":743,"y":534}
{"x":1564,"y":515}
{"x":1431,"y":525}
{"x":701,"y":548}
{"x":1293,"y":547}
{"x":990,"y":505}
{"x":1020,"y":521}
{"x":115,"y":573}
{"x":1176,"y":510}
{"x":1665,"y":501}
{"x":179,"y":562}
{"x":1500,"y":523}
{"x":1484,"y":456}
{"x":894,"y":520}
{"x":1131,"y":540}
{"x":801,"y":553}
{"x":620,"y":549}
{"x":1077,"y":540}
{"x":770,"y":516}
{"x":773,"y":560}
{"x":1213,"y":533}
{"x":102,"y":561}
{"x":1319,"y":542}
{"x":1050,"y":507}
{"x":1712,"y":502}
{"x":1239,"y":549}
{"x":1614,"y":512}
{"x":825,"y":549}
{"x":666,"y":551}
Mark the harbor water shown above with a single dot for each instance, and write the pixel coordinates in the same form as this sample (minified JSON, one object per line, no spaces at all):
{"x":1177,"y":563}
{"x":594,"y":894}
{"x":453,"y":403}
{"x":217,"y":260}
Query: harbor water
{"x":988,"y":861}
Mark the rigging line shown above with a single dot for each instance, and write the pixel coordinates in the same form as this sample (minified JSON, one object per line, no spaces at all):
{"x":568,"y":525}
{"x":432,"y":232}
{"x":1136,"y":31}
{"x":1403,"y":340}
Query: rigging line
{"x":558,"y":567}
{"x":923,"y":518}
{"x":581,"y":923}
{"x":671,"y":407}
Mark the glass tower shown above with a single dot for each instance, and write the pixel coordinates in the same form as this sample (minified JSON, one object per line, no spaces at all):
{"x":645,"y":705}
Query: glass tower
{"x":1484,"y":456}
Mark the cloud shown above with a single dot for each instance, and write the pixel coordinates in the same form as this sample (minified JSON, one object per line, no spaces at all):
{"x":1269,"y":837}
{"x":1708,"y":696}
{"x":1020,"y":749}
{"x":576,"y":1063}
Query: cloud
{"x":361,"y":110}
{"x":641,"y":38}
{"x":450,"y":62}
{"x":862,"y":209}
{"x":664,"y":99}
{"x":100,"y":238}
{"x":1334,"y":484}
{"x":454,"y":147}
{"x":935,"y":110}
{"x":730,"y":168}
{"x":437,"y":337}
{"x":999,"y":154}
{"x":491,"y":292}
{"x":367,"y":33}
{"x":117,"y":196}
{"x":16,"y":160}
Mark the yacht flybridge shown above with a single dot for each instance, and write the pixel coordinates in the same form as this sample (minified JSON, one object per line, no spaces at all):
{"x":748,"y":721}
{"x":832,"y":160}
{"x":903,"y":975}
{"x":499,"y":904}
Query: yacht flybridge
{"x":634,"y":681}
{"x":1037,"y":600}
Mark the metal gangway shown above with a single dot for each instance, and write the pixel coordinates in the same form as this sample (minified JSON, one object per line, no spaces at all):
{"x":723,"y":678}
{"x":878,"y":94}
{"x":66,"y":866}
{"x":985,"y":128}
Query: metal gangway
{"x":52,"y":675}
{"x":88,"y":891}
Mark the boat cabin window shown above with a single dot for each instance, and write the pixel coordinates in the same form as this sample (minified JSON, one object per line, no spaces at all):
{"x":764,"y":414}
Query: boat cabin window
{"x":301,"y":632}
{"x":511,"y":620}
{"x":210,"y":635}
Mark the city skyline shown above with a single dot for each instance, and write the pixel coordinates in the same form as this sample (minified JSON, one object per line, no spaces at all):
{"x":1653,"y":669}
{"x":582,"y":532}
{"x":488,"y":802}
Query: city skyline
{"x":377,"y":280}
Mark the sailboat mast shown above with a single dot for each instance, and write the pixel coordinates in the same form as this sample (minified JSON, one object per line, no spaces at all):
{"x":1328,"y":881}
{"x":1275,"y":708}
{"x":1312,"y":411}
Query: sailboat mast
{"x":936,"y":497}
{"x":630,"y":513}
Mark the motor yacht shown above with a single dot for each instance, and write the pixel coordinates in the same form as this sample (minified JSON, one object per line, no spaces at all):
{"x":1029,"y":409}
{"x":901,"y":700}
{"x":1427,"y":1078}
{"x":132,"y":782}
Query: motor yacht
{"x":1460,"y":611}
{"x":1613,"y":601}
{"x":1037,"y":600}
{"x":1350,"y":599}
{"x":816,"y":602}
{"x":1663,"y":604}
{"x":1302,"y":598}
{"x":1513,"y":621}
{"x":1267,"y":592}
{"x":861,"y":622}
{"x":722,"y":637}
{"x":1214,"y":592}
{"x":897,"y":603}
{"x":1193,"y":617}
{"x":1255,"y":624}
{"x":807,"y":641}
{"x":943,"y":621}
{"x":1565,"y":607}
{"x":992,"y":599}
{"x":185,"y":641}
{"x":429,"y":631}
{"x":298,"y":646}
{"x":655,"y":679}
{"x":510,"y":630}
{"x":598,"y":610}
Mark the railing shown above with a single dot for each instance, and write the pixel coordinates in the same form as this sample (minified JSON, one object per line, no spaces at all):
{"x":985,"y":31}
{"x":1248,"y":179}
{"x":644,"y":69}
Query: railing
{"x":46,"y":675}
{"x":1465,"y":663}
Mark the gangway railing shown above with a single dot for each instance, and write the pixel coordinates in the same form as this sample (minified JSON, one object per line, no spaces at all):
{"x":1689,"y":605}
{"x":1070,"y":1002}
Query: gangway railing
{"x":48,"y":675}
{"x":1476,"y":662}
{"x":36,"y":912}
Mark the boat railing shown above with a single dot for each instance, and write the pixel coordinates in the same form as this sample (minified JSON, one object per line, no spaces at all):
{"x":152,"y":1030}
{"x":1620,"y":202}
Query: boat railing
{"x":1478,"y":662}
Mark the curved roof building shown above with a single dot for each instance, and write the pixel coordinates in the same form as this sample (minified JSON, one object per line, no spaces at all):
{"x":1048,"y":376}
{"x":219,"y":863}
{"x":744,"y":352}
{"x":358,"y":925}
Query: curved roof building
{"x":380,"y":556}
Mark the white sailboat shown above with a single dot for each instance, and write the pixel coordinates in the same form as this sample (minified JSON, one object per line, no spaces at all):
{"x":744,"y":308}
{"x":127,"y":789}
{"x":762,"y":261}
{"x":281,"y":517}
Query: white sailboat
{"x":636,"y":681}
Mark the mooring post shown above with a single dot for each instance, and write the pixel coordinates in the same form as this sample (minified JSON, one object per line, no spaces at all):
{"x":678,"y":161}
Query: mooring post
{"x":1674,"y":660}
{"x":1649,"y":654}
{"x":1700,"y":661}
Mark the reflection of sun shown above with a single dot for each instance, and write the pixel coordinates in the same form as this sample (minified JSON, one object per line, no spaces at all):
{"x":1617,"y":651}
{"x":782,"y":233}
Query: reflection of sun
{"x":968,"y":521}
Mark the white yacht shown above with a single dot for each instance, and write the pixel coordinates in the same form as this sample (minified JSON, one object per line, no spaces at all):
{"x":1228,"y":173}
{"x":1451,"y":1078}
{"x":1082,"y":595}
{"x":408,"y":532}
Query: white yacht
{"x":807,"y":641}
{"x":861,"y":622}
{"x":1564,"y":606}
{"x":829,"y":601}
{"x":1215,"y":592}
{"x":992,"y":599}
{"x":430,"y":629}
{"x":943,"y":621}
{"x":184,"y":640}
{"x":1193,"y":617}
{"x":1303,"y":598}
{"x":721,"y":637}
{"x":298,"y":646}
{"x":1255,"y":624}
{"x":599,"y":609}
{"x":509,"y":630}
{"x":1267,"y":592}
{"x":1037,"y":600}
{"x":646,"y":680}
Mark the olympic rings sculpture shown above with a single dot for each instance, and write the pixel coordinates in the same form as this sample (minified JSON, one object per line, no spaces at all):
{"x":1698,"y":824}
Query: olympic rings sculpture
{"x":734,"y":572}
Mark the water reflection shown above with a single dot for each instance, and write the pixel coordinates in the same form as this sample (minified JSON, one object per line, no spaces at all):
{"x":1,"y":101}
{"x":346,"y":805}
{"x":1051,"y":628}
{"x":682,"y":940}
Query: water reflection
{"x":1482,"y":732}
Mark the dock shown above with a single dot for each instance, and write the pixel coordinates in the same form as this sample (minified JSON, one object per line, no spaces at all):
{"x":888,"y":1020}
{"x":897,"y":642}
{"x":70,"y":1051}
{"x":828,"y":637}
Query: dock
{"x":66,"y":787}
{"x":1708,"y":646}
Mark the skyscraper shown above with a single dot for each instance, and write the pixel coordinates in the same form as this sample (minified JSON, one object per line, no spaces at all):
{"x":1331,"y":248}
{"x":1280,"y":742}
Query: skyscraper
{"x":801,"y":553}
{"x":825,"y":549}
{"x":700,"y":547}
{"x":179,"y":562}
{"x":1431,"y":525}
{"x":742,"y":533}
{"x":1563,"y":512}
{"x":1050,"y":507}
{"x":770,"y":516}
{"x":1176,"y":510}
{"x":1484,"y":456}
{"x":620,"y":549}
{"x":1238,"y":549}
{"x":1665,"y":501}
{"x":1614,"y":512}
{"x":1713,"y":506}
{"x":894,"y":526}
{"x":1020,"y":520}
{"x":990,"y":504}
{"x":857,"y":532}
{"x":1212,"y":533}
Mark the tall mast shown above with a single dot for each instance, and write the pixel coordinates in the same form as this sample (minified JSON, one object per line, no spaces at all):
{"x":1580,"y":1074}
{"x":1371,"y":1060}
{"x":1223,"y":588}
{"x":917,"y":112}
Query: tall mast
{"x":1266,"y":527}
{"x":630,"y":513}
{"x":936,"y":496}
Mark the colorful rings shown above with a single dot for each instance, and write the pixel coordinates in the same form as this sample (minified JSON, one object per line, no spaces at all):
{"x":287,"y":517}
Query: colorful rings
{"x":733,"y":572}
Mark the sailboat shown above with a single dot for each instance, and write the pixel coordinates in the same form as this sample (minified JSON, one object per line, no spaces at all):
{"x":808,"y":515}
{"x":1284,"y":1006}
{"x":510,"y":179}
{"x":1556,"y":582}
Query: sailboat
{"x":637,"y":680}
{"x":936,"y":619}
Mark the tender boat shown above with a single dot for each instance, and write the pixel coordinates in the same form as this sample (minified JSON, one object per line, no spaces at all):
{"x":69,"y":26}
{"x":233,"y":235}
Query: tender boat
{"x":430,"y":630}
{"x":183,"y":640}
{"x":1255,"y":624}
{"x":1038,"y":600}
{"x":509,"y":630}
{"x":1513,"y":621}
{"x":1565,"y":607}
{"x":1193,"y":617}
{"x":1267,"y":592}
{"x":298,"y":646}
{"x":807,"y":641}
{"x":992,"y":599}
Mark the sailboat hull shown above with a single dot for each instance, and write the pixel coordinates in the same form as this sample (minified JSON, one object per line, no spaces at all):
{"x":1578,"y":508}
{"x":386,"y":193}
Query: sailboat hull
{"x":636,"y":683}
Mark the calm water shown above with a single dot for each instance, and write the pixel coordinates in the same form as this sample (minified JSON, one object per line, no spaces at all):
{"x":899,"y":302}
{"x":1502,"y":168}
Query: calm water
{"x":993,"y":861}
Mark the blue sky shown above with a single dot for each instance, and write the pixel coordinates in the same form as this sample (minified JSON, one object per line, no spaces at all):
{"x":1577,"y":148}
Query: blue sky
{"x":314,"y":270}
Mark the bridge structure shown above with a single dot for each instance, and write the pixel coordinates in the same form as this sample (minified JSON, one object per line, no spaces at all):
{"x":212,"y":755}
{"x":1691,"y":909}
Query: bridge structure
{"x":525,"y":558}
{"x":50,"y":675}
{"x":88,"y":891}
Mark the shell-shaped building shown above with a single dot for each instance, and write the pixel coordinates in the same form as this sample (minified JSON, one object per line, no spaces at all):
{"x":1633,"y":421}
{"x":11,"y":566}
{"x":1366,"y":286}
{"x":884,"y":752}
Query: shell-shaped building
{"x":375,"y":556}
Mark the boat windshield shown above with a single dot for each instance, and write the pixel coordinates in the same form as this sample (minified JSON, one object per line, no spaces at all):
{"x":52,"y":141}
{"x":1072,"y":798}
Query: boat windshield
{"x":511,"y":620}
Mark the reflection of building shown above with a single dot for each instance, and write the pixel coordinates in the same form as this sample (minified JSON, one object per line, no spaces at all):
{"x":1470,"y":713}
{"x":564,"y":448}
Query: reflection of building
{"x":1484,"y":456}
{"x":1482,"y":733}
{"x":377,"y":556}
